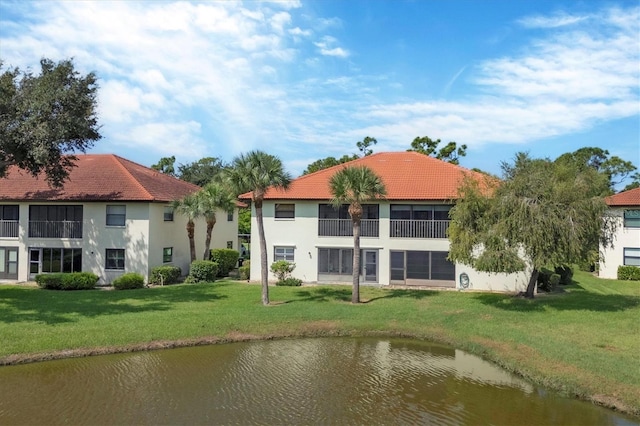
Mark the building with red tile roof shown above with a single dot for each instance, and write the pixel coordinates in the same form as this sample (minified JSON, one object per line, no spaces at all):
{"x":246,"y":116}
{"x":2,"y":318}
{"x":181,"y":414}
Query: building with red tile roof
{"x":111,"y":216}
{"x":625,"y":210}
{"x":403,"y":237}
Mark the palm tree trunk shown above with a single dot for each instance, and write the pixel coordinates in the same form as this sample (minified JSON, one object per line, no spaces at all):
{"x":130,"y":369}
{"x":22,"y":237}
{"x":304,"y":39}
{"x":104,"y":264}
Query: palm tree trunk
{"x":207,"y":242}
{"x":192,"y":243}
{"x":263,"y":254}
{"x":355,"y":291}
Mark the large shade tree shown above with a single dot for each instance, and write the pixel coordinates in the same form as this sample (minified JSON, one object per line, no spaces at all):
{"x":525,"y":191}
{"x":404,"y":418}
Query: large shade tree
{"x":46,"y":118}
{"x":213,"y":197}
{"x":255,"y":172}
{"x":190,"y":207}
{"x":356,"y":185}
{"x":543,"y":214}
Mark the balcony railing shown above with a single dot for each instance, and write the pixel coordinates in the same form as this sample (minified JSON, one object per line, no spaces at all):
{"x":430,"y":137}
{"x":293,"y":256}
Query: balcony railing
{"x":55,"y":229}
{"x":344,"y":228}
{"x":419,"y":228}
{"x":9,"y":228}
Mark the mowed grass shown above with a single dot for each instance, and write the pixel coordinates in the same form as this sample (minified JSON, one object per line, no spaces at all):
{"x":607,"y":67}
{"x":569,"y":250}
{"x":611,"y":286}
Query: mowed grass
{"x":584,"y":341}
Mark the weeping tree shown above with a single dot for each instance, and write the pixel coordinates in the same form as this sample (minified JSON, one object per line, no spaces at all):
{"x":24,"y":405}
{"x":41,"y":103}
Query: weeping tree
{"x":256,"y":172}
{"x":355,"y":185}
{"x":543,"y":214}
{"x":213,"y":197}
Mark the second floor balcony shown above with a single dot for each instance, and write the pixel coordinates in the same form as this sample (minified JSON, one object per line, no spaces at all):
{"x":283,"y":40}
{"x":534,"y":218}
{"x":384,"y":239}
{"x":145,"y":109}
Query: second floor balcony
{"x":55,"y":229}
{"x":9,"y":228}
{"x":344,"y":228}
{"x":401,"y":228}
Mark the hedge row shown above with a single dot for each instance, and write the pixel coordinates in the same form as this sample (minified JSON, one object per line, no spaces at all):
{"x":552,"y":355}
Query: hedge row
{"x":67,"y":281}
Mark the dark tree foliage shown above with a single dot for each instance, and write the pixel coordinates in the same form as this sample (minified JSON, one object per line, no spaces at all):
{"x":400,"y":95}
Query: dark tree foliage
{"x":201,"y":172}
{"x":543,"y":214}
{"x":450,"y":153}
{"x":614,"y":168}
{"x":365,"y":145}
{"x":166,"y":165}
{"x":327,"y":162}
{"x":46,"y":118}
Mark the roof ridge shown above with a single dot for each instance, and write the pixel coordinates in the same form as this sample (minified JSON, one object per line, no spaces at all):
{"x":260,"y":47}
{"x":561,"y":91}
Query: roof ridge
{"x":119,"y":161}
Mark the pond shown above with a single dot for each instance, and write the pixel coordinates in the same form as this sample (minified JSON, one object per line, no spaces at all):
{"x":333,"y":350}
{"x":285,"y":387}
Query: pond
{"x":307,"y":381}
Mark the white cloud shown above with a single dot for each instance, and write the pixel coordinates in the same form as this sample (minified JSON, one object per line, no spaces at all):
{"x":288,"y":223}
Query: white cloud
{"x":326,"y":46}
{"x":559,"y":20}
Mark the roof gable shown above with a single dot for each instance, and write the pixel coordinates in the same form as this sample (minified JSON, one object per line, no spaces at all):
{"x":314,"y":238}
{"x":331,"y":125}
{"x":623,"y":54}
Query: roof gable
{"x":97,"y":177}
{"x":406,"y":175}
{"x":626,"y":198}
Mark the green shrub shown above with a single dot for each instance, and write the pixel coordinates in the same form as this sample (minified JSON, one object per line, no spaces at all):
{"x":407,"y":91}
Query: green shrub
{"x":544,"y":279}
{"x":629,"y":273}
{"x":282,"y":269}
{"x":161,"y":275}
{"x":566,"y":274}
{"x":290,"y":282}
{"x":244,"y":271}
{"x":202,"y":271}
{"x":67,"y":281}
{"x":226,"y":260}
{"x":128,"y":281}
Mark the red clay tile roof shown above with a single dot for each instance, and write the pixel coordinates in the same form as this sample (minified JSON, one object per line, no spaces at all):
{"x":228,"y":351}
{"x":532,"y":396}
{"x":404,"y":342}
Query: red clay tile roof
{"x":97,"y":177}
{"x":406,"y":175}
{"x":626,"y":198}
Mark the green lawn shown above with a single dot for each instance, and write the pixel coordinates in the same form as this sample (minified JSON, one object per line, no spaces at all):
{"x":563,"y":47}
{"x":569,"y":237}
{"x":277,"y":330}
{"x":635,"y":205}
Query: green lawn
{"x":585,"y":341}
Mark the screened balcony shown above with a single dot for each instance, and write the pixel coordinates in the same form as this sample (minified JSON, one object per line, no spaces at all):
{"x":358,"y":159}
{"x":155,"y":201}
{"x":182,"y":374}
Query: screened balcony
{"x":9,"y":228}
{"x":55,"y":229}
{"x":419,"y":228}
{"x":344,"y":228}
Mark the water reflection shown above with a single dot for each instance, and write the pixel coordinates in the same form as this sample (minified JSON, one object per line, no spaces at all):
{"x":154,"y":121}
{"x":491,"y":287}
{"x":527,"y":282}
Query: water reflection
{"x":307,"y":381}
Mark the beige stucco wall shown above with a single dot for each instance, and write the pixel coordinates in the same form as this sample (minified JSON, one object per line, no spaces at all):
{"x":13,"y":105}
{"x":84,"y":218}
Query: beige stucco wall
{"x":302,"y":234}
{"x":612,"y":257}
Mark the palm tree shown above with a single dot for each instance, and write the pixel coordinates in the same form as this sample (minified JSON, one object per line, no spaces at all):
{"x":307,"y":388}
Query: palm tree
{"x":190,"y":207}
{"x":214,"y":196}
{"x":255,"y":172}
{"x":355,"y":185}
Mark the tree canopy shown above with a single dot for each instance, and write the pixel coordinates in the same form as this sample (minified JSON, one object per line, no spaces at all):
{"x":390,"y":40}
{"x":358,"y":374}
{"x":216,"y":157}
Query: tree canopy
{"x":613,"y":167}
{"x":46,"y":118}
{"x":543,"y":214}
{"x":450,"y":153}
{"x":200,"y":172}
{"x":327,"y":162}
{"x":366,"y":144}
{"x":166,"y":165}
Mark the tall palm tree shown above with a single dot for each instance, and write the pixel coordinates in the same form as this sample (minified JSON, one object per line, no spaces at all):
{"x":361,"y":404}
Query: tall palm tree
{"x":255,"y":172}
{"x":214,"y":196}
{"x":355,"y":185}
{"x":190,"y":207}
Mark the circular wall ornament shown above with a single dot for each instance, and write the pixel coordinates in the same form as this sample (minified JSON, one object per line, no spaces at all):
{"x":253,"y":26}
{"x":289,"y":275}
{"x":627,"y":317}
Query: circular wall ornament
{"x":464,"y":280}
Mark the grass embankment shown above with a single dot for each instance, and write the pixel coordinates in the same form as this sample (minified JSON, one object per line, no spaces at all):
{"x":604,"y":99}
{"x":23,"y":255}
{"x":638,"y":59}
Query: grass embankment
{"x":584,"y":342}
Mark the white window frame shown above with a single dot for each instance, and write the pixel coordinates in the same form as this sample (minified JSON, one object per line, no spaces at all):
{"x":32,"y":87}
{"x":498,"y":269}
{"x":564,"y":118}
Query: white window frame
{"x":168,"y":214}
{"x":117,"y":259}
{"x":632,"y":222}
{"x":113,"y":212}
{"x":284,"y":253}
{"x":288,"y":213}
{"x":631,"y":256}
{"x":167,"y":252}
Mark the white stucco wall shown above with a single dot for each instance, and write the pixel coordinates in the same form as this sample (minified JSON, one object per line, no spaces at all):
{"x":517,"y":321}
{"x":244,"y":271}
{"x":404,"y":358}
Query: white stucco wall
{"x":143,"y":237}
{"x":302,"y":234}
{"x":612,"y":257}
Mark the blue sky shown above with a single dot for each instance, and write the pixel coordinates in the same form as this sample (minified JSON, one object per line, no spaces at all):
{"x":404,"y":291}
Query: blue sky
{"x":303,"y":80}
